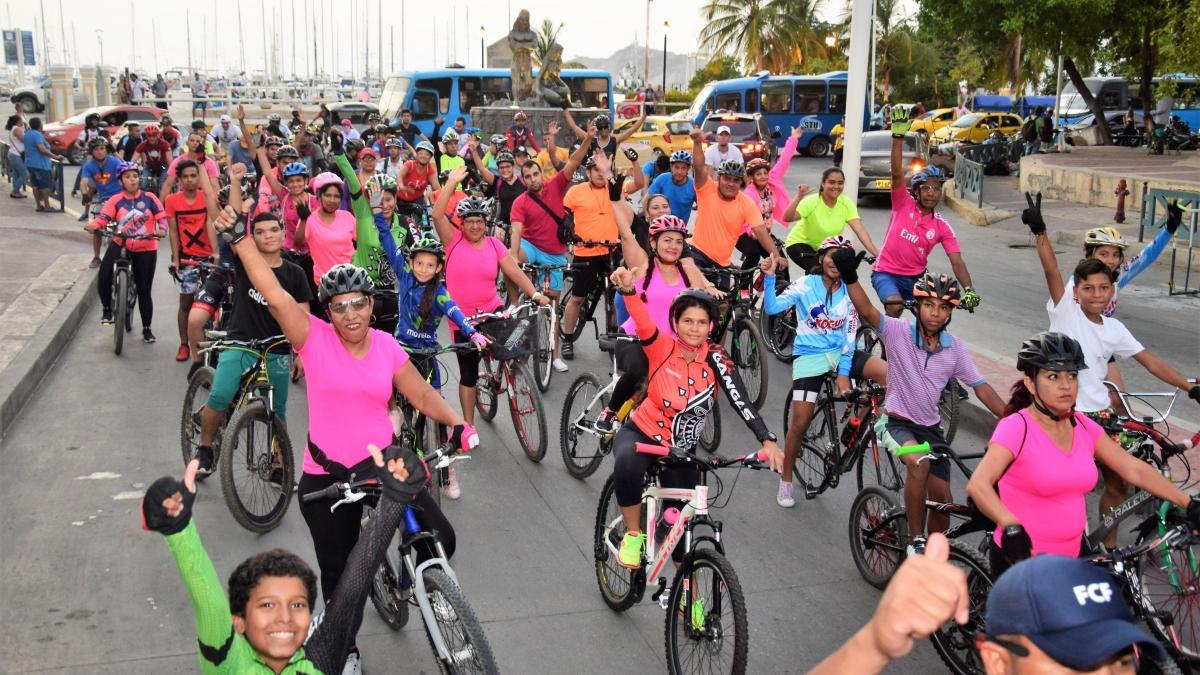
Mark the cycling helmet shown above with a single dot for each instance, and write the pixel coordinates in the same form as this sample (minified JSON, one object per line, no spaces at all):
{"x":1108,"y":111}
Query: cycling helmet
{"x":940,"y":286}
{"x":731,"y":167}
{"x":474,"y":206}
{"x":1104,"y":236}
{"x":756,"y":164}
{"x":667,"y":223}
{"x":294,"y":169}
{"x":165,"y":120}
{"x":127,"y":166}
{"x":152,"y":130}
{"x":274,"y":118}
{"x":926,"y":174}
{"x":91,"y":117}
{"x":498,"y":139}
{"x":426,"y":146}
{"x":520,"y":116}
{"x":247,"y":188}
{"x":287,"y":150}
{"x":382,"y":129}
{"x":355,"y":145}
{"x":602,"y":121}
{"x":384,"y":181}
{"x":450,"y":135}
{"x":694,"y":297}
{"x":344,"y":278}
{"x":505,"y":157}
{"x":273,"y":141}
{"x":324,"y":180}
{"x":373,"y":117}
{"x":393,"y":143}
{"x":97,"y":142}
{"x":836,"y":241}
{"x":1050,"y":351}
{"x":444,"y":176}
{"x":428,"y":245}
{"x":681,"y":156}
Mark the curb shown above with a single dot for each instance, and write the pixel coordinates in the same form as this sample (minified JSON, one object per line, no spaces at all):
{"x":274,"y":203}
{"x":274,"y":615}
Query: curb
{"x":20,"y":380}
{"x":981,"y":217}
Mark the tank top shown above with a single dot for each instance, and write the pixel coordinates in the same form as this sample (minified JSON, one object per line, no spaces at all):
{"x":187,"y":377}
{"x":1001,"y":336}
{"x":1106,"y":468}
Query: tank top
{"x":658,"y":296}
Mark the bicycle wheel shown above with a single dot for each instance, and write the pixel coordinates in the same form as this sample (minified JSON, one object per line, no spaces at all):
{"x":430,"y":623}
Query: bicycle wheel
{"x":543,"y":357}
{"x":868,"y":341}
{"x":432,"y":437}
{"x":948,"y":404}
{"x":120,"y":308}
{"x":525,"y":407}
{"x":257,"y":469}
{"x":1169,"y":583}
{"x":620,"y":587}
{"x":956,"y":643}
{"x":390,"y":602}
{"x":817,"y":449}
{"x":456,"y":622}
{"x":582,"y":448}
{"x":710,"y":435}
{"x":486,"y":388}
{"x":877,"y":466}
{"x":194,"y":401}
{"x":706,"y":629}
{"x":878,"y":534}
{"x":749,"y":353}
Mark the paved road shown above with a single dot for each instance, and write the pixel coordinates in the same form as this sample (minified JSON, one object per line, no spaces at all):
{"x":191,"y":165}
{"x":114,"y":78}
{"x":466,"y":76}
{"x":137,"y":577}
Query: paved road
{"x":84,"y":589}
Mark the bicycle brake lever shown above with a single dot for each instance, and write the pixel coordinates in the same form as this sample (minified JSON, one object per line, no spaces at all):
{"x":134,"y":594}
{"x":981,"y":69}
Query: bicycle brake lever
{"x":350,"y":498}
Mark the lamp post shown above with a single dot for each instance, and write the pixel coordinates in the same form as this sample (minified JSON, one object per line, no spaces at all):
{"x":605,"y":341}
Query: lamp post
{"x":666,"y":27}
{"x":100,"y":39}
{"x":482,"y":48}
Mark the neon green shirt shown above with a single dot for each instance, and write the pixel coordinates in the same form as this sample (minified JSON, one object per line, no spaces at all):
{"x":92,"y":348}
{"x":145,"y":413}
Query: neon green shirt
{"x":818,"y":221}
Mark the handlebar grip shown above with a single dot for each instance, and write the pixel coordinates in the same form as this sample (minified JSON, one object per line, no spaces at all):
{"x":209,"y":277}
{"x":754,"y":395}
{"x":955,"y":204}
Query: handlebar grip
{"x":652,"y":449}
{"x":328,"y":493}
{"x":912,"y":449}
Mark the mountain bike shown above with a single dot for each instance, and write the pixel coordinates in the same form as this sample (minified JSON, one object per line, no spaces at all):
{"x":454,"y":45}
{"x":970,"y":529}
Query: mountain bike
{"x":604,"y":289}
{"x":502,"y":371}
{"x":455,"y":634}
{"x":705,"y":602}
{"x":124,"y":290}
{"x":251,"y":447}
{"x":746,"y":345}
{"x":547,"y":338}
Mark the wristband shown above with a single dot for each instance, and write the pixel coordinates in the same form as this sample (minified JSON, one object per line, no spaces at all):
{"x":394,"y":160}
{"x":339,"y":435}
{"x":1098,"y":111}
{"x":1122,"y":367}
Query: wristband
{"x":627,"y":293}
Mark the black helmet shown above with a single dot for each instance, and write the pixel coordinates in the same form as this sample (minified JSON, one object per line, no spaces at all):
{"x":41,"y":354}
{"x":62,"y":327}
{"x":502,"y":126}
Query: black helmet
{"x":428,"y":245}
{"x":90,"y":117}
{"x":97,"y":142}
{"x":1050,"y":351}
{"x":694,"y":297}
{"x":354,"y":145}
{"x":939,"y":286}
{"x":602,"y":121}
{"x":286,"y":151}
{"x":344,"y":278}
{"x":382,"y":129}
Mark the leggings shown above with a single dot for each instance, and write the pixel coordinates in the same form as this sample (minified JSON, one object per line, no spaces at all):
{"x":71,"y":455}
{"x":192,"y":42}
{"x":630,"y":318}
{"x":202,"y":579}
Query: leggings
{"x":629,"y":471}
{"x":751,"y":251}
{"x":335,"y":534}
{"x":804,"y":256}
{"x":142,"y":264}
{"x":634,"y":367}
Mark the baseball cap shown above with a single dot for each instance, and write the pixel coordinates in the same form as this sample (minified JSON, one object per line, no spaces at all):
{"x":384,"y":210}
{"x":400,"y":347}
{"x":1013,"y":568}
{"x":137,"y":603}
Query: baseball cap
{"x":346,"y":122}
{"x":722,"y":129}
{"x":368,"y":151}
{"x":1070,"y":608}
{"x":226,"y":118}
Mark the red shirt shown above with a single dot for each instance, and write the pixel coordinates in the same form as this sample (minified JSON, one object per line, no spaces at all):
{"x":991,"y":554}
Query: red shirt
{"x":156,"y":152}
{"x":191,"y":219}
{"x":537,"y":226}
{"x":415,"y":180}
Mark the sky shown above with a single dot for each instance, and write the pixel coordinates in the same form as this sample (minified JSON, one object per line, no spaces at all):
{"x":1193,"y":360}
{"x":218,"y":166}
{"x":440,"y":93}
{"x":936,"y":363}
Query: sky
{"x":152,"y":36}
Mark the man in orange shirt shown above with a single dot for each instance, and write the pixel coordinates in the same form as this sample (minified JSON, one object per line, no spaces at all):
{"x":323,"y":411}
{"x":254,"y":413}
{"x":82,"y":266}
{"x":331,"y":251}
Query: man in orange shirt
{"x":590,"y":204}
{"x":722,"y":211}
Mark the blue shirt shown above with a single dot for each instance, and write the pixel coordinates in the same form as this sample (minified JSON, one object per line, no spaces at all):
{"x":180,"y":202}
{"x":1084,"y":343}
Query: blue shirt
{"x":825,"y":322}
{"x":650,"y":171}
{"x":680,"y":197}
{"x":103,"y":178}
{"x":34,"y":157}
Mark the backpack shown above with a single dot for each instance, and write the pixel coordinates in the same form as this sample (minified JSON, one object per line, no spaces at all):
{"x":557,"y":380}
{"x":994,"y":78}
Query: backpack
{"x":1029,"y":129}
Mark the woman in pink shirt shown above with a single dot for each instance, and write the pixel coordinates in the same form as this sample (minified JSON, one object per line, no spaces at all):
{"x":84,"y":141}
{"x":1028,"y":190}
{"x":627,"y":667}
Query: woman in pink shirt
{"x":351,"y":371}
{"x":766,"y":186}
{"x":1042,"y":458}
{"x":329,"y":231}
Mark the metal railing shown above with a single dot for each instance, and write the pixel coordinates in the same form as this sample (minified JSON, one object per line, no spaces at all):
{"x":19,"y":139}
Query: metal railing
{"x":57,"y":186}
{"x":1154,"y":215}
{"x":969,"y":163}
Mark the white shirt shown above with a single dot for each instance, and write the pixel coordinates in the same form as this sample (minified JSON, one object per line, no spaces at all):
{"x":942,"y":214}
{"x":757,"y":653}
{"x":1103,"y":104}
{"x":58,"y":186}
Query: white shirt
{"x":227,"y":136}
{"x":137,"y":90}
{"x":713,"y":156}
{"x":198,"y":89}
{"x":1100,"y":342}
{"x":350,"y":134}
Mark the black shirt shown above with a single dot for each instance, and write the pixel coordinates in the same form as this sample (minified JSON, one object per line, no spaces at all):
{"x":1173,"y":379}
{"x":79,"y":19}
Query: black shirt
{"x":128,"y":146}
{"x":251,"y":320}
{"x":506,"y":194}
{"x":410,"y":133}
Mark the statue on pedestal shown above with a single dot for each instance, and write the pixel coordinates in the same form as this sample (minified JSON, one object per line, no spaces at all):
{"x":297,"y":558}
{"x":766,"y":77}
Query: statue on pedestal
{"x":522,"y":41}
{"x":551,"y":87}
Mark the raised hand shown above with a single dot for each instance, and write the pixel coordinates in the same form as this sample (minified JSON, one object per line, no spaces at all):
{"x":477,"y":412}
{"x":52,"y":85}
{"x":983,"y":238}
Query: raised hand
{"x":925,"y":592}
{"x":1174,"y":216}
{"x":1032,"y":216}
{"x":167,"y":505}
{"x":797,"y":132}
{"x":847,"y":262}
{"x":237,"y":172}
{"x":696,"y":134}
{"x":457,"y":174}
{"x":623,"y":278}
{"x":553,"y":128}
{"x":900,"y":122}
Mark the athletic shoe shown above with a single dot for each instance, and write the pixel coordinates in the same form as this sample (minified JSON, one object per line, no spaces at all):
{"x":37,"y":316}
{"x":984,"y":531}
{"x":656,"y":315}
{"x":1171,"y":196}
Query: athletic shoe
{"x":94,"y":264}
{"x":607,"y":421}
{"x":106,"y":317}
{"x":784,"y":497}
{"x":630,"y":554}
{"x":183,"y":353}
{"x":560,"y":365}
{"x":82,"y":216}
{"x":204,"y":453}
{"x":916,"y":546}
{"x":353,"y":664}
{"x":568,"y":351}
{"x":147,"y":336}
{"x":453,"y":489}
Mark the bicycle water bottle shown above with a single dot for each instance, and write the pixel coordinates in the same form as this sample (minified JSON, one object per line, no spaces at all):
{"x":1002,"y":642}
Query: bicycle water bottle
{"x":666,"y":520}
{"x":850,"y":430}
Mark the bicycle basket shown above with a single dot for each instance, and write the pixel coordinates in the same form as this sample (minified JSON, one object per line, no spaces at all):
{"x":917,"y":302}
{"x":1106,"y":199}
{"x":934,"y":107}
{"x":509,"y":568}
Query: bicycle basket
{"x":511,"y":338}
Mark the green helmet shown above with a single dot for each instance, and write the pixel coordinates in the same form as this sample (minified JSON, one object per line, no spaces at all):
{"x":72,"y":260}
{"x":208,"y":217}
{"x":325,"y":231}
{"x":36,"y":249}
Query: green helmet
{"x":428,"y":245}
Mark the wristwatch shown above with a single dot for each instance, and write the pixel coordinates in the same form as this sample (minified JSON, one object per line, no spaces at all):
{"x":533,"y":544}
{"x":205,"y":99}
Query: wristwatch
{"x":769,"y":437}
{"x":236,"y":232}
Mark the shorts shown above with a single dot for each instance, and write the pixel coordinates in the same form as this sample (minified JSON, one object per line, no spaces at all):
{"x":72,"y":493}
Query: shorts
{"x":809,"y":372}
{"x":905,"y":433}
{"x":189,"y":279}
{"x":710,"y":270}
{"x":39,"y":179}
{"x":199,"y":105}
{"x":804,"y":256}
{"x":468,"y":368}
{"x":212,"y":293}
{"x":230,"y":366}
{"x":537,"y":256}
{"x":590,"y":271}
{"x":893,"y":285}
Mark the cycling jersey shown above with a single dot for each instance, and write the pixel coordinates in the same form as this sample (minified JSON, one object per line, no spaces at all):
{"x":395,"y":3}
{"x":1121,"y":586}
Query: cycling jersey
{"x":157,"y":153}
{"x":516,"y":137}
{"x":911,"y":236}
{"x":416,"y":179}
{"x":103,"y":176}
{"x":140,"y":214}
{"x":825,"y":321}
{"x":471,"y":272}
{"x":817,"y":221}
{"x":369,"y":253}
{"x":1128,"y":270}
{"x":191,"y":221}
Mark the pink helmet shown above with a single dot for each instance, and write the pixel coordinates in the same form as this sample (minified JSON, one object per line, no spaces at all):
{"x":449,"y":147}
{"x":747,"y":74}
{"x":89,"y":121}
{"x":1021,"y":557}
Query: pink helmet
{"x":836,"y":241}
{"x":667,"y":223}
{"x":324,"y":180}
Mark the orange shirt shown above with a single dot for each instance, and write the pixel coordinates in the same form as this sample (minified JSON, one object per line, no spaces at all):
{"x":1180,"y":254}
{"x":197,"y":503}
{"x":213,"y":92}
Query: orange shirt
{"x":719,"y":222}
{"x":594,"y":218}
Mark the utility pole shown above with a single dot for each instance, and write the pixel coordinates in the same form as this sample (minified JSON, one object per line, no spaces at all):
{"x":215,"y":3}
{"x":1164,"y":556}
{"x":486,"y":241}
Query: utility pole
{"x":45,"y":40}
{"x":241,"y":41}
{"x":646,"y":67}
{"x":379,"y":37}
{"x":153,"y":42}
{"x":266,"y":62}
{"x":402,"y":44}
{"x":294,"y":71}
{"x":62,"y":28}
{"x":187,"y":23}
{"x":392,"y":32}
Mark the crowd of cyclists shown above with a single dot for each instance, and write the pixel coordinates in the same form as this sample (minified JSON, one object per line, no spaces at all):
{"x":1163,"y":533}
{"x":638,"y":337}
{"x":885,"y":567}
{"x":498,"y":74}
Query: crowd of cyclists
{"x":356,"y":244}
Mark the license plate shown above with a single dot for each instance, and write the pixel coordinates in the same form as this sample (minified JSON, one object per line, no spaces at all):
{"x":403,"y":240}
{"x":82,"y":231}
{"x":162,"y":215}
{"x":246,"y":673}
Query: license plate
{"x":884,"y":184}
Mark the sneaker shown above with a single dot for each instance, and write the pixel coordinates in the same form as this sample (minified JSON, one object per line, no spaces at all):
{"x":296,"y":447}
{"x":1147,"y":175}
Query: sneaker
{"x":453,"y":489}
{"x":785,"y":496}
{"x":94,"y":264}
{"x":560,"y":365}
{"x":204,"y":453}
{"x":106,"y":317}
{"x":607,"y":421}
{"x":630,"y":554}
{"x":183,"y":353}
{"x":82,"y":216}
{"x":916,"y":546}
{"x":353,"y":664}
{"x":147,"y":336}
{"x":568,"y":351}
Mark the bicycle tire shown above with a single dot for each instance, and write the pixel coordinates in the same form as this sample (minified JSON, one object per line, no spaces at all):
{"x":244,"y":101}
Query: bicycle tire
{"x":432,"y":437}
{"x":749,"y":353}
{"x":1177,"y":570}
{"x":878,"y":557}
{"x":389,"y":602}
{"x":523,"y":401}
{"x":120,"y":308}
{"x":260,"y":467}
{"x":877,"y":466}
{"x":710,"y":435}
{"x":779,"y":332}
{"x":543,"y":356}
{"x":194,"y":400}
{"x":955,"y":643}
{"x":586,"y":312}
{"x":948,"y":409}
{"x":461,"y":630}
{"x":811,"y":466}
{"x":620,"y":587}
{"x":487,"y":389}
{"x":727,"y":590}
{"x":579,"y":464}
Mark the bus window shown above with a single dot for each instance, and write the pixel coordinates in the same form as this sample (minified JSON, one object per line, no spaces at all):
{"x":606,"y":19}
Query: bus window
{"x":776,"y":97}
{"x":731,"y":101}
{"x":473,"y":91}
{"x":442,"y":86}
{"x":837,"y":98}
{"x":751,"y":100}
{"x":1110,"y":95}
{"x":810,"y":98}
{"x":589,"y":92}
{"x":391,"y":101}
{"x":424,"y":105}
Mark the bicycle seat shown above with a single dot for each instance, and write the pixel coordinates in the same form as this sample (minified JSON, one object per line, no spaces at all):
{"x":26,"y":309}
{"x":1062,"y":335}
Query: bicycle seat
{"x":608,"y":343}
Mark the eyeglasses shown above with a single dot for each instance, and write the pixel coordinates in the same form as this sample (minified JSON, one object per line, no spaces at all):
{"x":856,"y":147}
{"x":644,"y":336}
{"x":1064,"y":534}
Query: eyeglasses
{"x":357,"y":305}
{"x":926,"y":187}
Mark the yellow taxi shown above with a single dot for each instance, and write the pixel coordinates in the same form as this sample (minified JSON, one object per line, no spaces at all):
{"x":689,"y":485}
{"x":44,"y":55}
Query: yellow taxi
{"x":932,"y":121}
{"x":660,"y":135}
{"x":975,"y":128}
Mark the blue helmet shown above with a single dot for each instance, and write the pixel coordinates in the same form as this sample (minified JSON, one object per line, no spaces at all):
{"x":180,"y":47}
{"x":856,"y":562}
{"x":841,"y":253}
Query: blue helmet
{"x":295,"y":169}
{"x":681,"y":156}
{"x":426,"y":146}
{"x":929,"y":172}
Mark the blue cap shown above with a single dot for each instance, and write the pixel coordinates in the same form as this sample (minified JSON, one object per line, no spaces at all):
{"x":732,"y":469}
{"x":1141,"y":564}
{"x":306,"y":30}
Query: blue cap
{"x":1070,"y":608}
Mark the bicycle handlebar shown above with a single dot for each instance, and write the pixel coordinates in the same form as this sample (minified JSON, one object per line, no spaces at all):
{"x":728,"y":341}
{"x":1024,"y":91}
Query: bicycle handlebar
{"x":677,"y":455}
{"x":356,"y":490}
{"x":1125,"y":396}
{"x":610,"y":245}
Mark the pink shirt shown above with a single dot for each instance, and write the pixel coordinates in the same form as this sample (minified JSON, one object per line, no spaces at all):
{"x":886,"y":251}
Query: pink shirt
{"x":347,"y":397}
{"x":1044,"y":487}
{"x":659,"y":295}
{"x":330,"y":244}
{"x":291,"y":220}
{"x":911,"y":236}
{"x":471,"y":273}
{"x":210,"y":166}
{"x":779,"y":195}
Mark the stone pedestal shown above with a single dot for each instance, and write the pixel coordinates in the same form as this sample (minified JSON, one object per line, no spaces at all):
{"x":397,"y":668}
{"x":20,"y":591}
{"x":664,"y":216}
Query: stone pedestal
{"x":62,"y":92}
{"x":496,"y":119}
{"x":104,"y":94}
{"x":87,"y":82}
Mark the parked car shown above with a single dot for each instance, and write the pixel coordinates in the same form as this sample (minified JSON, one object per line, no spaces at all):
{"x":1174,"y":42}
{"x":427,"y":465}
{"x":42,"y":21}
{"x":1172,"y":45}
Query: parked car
{"x":355,"y":111}
{"x":748,"y":131}
{"x":660,"y":135}
{"x":933,"y":120}
{"x":875,"y":175}
{"x":62,"y":135}
{"x":975,"y":127}
{"x":1116,"y":122}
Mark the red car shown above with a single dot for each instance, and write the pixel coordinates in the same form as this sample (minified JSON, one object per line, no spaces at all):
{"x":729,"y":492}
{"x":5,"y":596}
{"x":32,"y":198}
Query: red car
{"x":62,"y":135}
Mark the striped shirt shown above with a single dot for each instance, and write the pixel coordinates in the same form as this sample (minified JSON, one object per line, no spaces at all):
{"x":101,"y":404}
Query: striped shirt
{"x":924,"y":374}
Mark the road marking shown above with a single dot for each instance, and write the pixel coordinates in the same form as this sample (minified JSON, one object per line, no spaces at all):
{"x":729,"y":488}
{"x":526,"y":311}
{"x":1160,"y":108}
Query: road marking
{"x":127,"y":495}
{"x":99,"y":475}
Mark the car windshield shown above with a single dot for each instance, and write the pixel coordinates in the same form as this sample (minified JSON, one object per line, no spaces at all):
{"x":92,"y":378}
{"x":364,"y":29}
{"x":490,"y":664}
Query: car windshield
{"x":738,"y":128}
{"x":680,"y":128}
{"x":882,"y":142}
{"x":967,"y":120}
{"x":929,"y":115}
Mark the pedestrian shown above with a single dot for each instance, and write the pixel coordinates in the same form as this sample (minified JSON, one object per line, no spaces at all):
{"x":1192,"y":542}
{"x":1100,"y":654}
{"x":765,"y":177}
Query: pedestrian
{"x":1031,"y":130}
{"x":199,"y":96}
{"x":1046,"y":130}
{"x":37,"y":160}
{"x":159,"y":88}
{"x":16,"y":155}
{"x":123,"y":89}
{"x":137,"y":89}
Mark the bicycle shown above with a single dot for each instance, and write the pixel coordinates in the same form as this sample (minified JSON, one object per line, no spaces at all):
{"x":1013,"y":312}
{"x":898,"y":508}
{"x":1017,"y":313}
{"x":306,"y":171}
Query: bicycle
{"x":124,"y":289}
{"x":547,"y":339}
{"x":250,"y":438}
{"x":603,"y":289}
{"x":746,"y":345}
{"x":502,"y":370}
{"x":705,"y":600}
{"x":779,"y":330}
{"x":455,"y":634}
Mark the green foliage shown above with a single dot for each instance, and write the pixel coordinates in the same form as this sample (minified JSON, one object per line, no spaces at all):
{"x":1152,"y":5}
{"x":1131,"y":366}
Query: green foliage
{"x":720,"y":68}
{"x":774,"y":35}
{"x":547,"y":36}
{"x":680,"y":96}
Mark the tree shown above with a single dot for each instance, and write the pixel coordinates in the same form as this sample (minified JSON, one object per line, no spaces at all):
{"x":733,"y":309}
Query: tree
{"x":772,"y":35}
{"x":720,"y":68}
{"x":893,"y":43}
{"x":547,"y":37}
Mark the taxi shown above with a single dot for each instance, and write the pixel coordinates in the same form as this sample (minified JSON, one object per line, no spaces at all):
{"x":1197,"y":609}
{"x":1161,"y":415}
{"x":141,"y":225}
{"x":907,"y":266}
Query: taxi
{"x":976,"y":127}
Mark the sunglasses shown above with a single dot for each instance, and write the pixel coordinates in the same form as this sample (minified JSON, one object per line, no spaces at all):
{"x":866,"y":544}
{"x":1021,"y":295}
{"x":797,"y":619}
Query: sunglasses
{"x":357,"y":305}
{"x":928,"y":188}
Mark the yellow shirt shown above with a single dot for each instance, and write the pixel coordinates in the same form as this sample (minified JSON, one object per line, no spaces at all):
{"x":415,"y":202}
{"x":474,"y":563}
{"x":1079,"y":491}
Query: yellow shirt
{"x":839,"y":134}
{"x":543,"y":160}
{"x":594,"y":218}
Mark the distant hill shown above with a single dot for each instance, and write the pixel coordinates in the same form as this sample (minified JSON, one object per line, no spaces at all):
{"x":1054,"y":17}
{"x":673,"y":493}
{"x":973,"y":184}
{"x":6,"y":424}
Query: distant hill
{"x":627,"y":64}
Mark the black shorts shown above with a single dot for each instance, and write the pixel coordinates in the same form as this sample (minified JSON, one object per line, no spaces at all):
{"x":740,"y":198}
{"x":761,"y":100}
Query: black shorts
{"x":212,"y":293}
{"x":589,"y":273}
{"x":468,"y":368}
{"x":815,"y":384}
{"x":904,"y":431}
{"x":710,"y":269}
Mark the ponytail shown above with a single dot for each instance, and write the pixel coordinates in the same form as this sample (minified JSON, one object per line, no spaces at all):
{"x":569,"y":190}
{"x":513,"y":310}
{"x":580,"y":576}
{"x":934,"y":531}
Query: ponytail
{"x":1019,"y":398}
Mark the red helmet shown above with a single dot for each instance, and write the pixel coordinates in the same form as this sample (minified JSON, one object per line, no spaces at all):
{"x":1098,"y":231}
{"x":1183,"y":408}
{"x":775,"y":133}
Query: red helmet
{"x":152,"y":130}
{"x":520,"y":116}
{"x":667,"y":223}
{"x":756,"y":164}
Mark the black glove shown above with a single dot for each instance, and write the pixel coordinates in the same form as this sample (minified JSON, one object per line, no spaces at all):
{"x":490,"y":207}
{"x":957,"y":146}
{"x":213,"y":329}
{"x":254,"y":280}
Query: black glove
{"x":1174,"y":216}
{"x":631,"y":154}
{"x":418,"y":474}
{"x":303,"y":211}
{"x":335,"y":144}
{"x":154,"y":516}
{"x":1015,"y":544}
{"x":1032,"y":216}
{"x":846,"y":262}
{"x":1194,"y":393}
{"x":1193,"y":513}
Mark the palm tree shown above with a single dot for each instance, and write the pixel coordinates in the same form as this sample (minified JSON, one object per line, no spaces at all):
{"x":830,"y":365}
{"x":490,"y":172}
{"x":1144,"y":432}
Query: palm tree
{"x":547,"y":36}
{"x":796,"y":35}
{"x":893,"y":43}
{"x":773,"y":35}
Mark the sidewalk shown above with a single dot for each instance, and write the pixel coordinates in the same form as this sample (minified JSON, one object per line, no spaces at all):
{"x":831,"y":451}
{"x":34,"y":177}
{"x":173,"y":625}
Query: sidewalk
{"x":46,"y":288}
{"x":1089,"y":175}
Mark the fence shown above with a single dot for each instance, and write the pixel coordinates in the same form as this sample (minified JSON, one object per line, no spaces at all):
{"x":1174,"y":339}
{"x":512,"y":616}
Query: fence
{"x":969,"y":165}
{"x":1154,"y":215}
{"x":57,"y":186}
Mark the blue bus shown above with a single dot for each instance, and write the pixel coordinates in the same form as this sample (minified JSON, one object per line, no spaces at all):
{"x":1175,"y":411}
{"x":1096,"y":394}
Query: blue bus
{"x":815,"y":102}
{"x":450,"y":92}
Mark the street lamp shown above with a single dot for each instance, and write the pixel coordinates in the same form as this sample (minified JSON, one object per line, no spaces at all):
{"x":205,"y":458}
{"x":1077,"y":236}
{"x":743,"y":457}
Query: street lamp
{"x":482,"y":50}
{"x":666,"y":27}
{"x":831,"y":40}
{"x":100,"y":39}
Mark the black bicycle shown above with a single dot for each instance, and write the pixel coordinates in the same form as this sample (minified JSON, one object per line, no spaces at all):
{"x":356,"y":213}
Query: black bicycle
{"x":604,"y":289}
{"x":124,"y":289}
{"x":747,"y":347}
